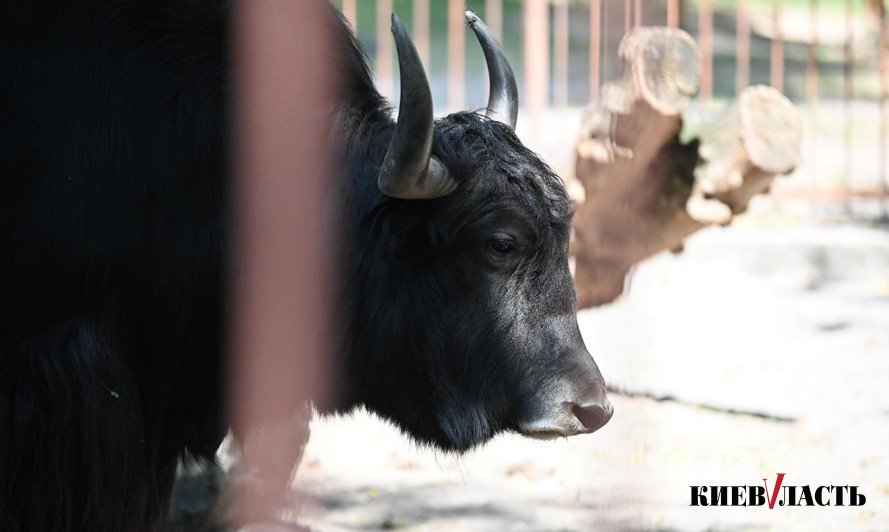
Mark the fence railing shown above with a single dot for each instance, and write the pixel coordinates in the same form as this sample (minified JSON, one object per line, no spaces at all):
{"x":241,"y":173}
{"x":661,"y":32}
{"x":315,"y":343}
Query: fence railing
{"x":828,"y":55}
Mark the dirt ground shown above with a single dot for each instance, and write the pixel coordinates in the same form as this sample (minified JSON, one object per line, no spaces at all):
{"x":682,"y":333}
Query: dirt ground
{"x":779,"y":315}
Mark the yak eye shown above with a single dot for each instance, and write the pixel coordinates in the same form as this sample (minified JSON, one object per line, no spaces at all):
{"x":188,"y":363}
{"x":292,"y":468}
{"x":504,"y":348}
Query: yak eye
{"x":501,"y":247}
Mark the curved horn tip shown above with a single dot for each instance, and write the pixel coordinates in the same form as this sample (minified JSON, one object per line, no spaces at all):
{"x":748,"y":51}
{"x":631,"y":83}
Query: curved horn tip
{"x":503,"y":99}
{"x":396,"y":22}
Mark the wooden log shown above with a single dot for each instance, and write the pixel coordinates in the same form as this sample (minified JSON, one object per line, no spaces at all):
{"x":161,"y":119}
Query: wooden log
{"x":644,"y":189}
{"x":756,"y":139}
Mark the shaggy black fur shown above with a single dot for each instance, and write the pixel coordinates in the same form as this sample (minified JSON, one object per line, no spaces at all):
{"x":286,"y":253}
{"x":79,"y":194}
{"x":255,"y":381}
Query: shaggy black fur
{"x":114,"y":228}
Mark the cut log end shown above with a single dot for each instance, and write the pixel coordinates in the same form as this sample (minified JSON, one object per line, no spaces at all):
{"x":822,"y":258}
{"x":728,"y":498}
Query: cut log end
{"x":771,"y":129}
{"x":756,"y":139}
{"x":663,"y":64}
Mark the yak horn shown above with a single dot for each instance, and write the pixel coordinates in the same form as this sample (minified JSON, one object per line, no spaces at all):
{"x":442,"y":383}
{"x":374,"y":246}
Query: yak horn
{"x":409,"y":171}
{"x":503,"y":101}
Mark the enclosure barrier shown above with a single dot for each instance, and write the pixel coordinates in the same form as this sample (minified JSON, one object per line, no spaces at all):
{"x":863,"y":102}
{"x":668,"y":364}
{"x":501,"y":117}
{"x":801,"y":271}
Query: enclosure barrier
{"x":554,"y":35}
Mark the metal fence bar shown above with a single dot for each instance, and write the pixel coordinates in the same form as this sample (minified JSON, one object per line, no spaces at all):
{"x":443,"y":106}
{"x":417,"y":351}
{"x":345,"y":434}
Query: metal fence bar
{"x":421,"y":30}
{"x":560,"y":97}
{"x":350,"y":11}
{"x":742,"y":46}
{"x":883,"y":58}
{"x":281,"y":290}
{"x":595,"y":47}
{"x":385,"y":64}
{"x":881,"y":155}
{"x":605,"y":52}
{"x":705,"y":36}
{"x":456,"y":54}
{"x":812,"y":83}
{"x":637,"y":14}
{"x":627,"y":16}
{"x":812,"y":80}
{"x":536,"y":17}
{"x":674,"y":9}
{"x":777,"y":48}
{"x":848,"y":90}
{"x":494,"y":17}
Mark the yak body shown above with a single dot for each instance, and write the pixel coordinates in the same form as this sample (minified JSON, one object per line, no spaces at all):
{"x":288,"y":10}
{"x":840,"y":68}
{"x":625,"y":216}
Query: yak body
{"x":115,"y":215}
{"x":113,"y":230}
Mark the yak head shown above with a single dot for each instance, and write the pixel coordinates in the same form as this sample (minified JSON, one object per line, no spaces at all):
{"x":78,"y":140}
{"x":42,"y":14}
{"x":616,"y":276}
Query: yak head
{"x":465,"y":315}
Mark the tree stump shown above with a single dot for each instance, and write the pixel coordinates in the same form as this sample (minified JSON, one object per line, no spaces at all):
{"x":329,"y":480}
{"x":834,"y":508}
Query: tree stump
{"x":645,"y":190}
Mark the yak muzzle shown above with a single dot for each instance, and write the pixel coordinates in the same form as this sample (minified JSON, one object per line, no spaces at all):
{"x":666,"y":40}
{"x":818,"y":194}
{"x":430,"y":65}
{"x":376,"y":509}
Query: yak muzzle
{"x":580,"y":416}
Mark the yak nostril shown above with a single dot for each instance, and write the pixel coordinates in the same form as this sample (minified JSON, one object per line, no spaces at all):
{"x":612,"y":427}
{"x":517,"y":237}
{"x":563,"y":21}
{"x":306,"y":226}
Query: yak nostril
{"x":594,"y":416}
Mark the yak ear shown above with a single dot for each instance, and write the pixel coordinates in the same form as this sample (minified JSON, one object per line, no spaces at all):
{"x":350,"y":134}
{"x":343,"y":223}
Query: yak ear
{"x":409,"y":171}
{"x":503,"y":100}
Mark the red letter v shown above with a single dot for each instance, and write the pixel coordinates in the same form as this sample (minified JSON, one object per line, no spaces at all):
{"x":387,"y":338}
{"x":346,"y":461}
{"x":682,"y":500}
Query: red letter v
{"x":774,"y":495}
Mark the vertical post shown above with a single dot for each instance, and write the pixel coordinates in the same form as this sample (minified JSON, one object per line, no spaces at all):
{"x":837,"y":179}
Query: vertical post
{"x":848,"y":90}
{"x":456,"y":54}
{"x":280,"y":316}
{"x":385,"y":64}
{"x":627,"y":16}
{"x":561,"y":53}
{"x":350,"y":11}
{"x":637,"y":14}
{"x":605,"y":17}
{"x":812,"y":89}
{"x":536,"y":21}
{"x":812,"y":60}
{"x":674,"y":9}
{"x":883,"y":185}
{"x":421,"y":30}
{"x":742,"y":47}
{"x":777,"y":51}
{"x":705,"y":35}
{"x":595,"y":47}
{"x":494,"y":17}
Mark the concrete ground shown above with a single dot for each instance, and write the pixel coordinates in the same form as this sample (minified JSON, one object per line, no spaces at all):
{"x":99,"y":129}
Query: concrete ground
{"x":777,"y":316}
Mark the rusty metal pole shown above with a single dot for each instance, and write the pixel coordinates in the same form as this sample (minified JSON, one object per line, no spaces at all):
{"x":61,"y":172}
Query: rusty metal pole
{"x":606,"y":29}
{"x":848,"y":91}
{"x":280,"y":313}
{"x":883,"y":186}
{"x":385,"y":62}
{"x":812,"y":60}
{"x":627,"y":16}
{"x":812,"y":90}
{"x":595,"y":47}
{"x":494,"y":17}
{"x":421,"y":30}
{"x":742,"y":47}
{"x":350,"y":11}
{"x":674,"y":11}
{"x":705,"y":36}
{"x":561,"y":53}
{"x":536,"y":19}
{"x":777,"y":51}
{"x":456,"y":54}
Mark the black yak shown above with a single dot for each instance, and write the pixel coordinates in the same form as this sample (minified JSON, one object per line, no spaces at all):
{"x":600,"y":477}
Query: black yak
{"x":458,"y":311}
